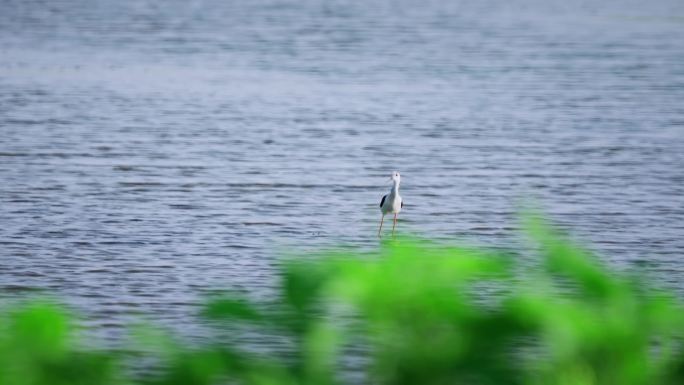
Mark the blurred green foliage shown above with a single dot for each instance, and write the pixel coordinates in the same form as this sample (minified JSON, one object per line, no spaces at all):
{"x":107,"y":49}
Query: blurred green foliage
{"x":416,"y":312}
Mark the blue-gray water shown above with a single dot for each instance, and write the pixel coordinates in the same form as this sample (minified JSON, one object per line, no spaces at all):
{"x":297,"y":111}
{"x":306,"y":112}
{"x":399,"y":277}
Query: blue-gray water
{"x":151,"y":151}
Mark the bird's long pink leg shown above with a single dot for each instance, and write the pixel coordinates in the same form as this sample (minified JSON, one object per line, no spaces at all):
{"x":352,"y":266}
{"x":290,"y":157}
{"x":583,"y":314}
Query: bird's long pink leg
{"x":380,"y":229}
{"x":395,"y":224}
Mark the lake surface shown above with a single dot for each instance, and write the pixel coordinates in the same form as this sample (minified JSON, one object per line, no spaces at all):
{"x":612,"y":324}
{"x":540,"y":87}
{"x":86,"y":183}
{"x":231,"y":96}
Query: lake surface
{"x":151,"y":151}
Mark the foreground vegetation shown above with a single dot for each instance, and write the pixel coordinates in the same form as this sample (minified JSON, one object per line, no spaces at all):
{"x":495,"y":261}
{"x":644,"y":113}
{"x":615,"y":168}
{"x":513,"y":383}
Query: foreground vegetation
{"x":414,"y":313}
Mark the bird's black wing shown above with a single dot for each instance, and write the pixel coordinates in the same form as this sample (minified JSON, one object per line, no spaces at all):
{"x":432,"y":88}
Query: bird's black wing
{"x":382,"y":202}
{"x":402,"y":203}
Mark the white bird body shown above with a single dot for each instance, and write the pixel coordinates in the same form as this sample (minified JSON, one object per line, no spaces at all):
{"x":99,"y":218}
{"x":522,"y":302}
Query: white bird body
{"x":392,"y":202}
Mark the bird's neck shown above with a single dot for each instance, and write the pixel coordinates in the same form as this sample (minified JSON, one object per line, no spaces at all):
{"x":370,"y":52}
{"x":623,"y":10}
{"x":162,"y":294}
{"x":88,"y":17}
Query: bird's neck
{"x":395,"y":188}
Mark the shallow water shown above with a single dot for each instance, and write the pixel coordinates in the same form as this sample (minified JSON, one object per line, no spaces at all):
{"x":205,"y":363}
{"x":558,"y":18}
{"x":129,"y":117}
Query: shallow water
{"x":154,"y":151}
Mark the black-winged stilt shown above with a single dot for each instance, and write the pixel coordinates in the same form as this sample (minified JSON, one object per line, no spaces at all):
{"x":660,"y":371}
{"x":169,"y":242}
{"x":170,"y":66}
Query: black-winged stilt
{"x":392,"y":202}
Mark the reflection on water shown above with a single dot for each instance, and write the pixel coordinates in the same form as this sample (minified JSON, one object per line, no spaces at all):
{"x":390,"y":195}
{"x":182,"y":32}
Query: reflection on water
{"x":152,"y":151}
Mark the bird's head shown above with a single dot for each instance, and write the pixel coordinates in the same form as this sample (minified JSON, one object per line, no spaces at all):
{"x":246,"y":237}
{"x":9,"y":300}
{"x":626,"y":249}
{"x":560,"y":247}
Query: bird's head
{"x":395,"y":177}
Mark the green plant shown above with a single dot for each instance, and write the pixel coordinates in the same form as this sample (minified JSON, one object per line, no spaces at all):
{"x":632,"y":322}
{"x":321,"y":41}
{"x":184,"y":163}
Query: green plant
{"x":415,"y":312}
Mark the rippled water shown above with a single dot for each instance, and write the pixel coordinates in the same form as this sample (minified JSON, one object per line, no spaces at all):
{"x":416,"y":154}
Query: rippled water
{"x":151,"y":151}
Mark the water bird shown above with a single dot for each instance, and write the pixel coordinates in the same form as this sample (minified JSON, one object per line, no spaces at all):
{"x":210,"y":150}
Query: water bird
{"x":392,"y":202}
